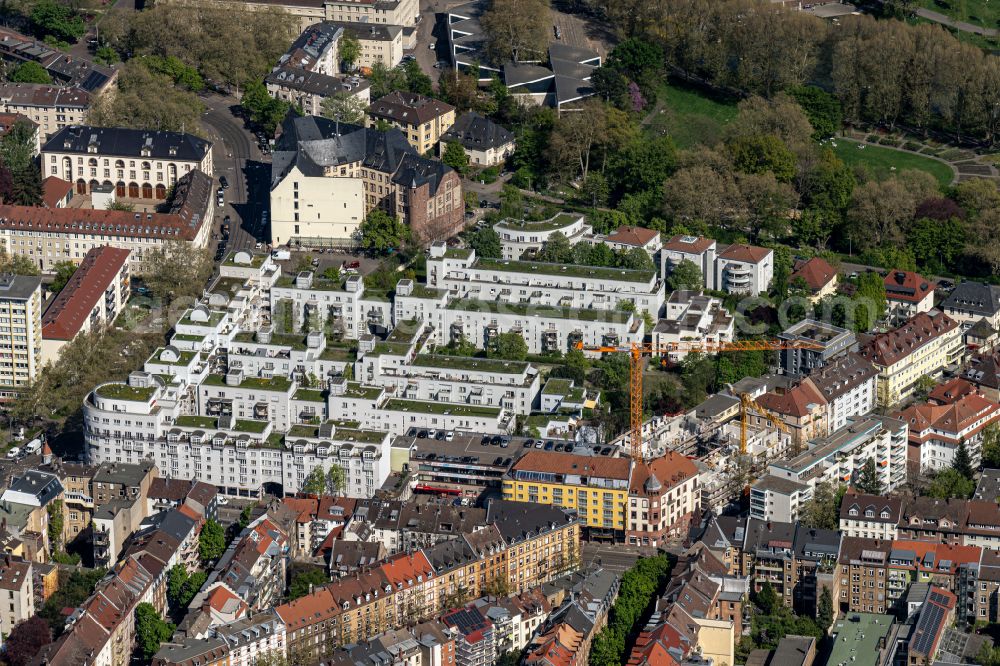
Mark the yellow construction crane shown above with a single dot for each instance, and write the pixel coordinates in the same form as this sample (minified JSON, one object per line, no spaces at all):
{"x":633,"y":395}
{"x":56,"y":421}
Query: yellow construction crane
{"x":637,"y":351}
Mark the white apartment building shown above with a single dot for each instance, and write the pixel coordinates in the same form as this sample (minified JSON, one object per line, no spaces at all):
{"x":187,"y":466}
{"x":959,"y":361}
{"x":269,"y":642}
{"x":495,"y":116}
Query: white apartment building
{"x":20,"y":332}
{"x":505,"y":281}
{"x":317,"y":207}
{"x":839,"y":457}
{"x":743,"y":269}
{"x":848,"y":385}
{"x":698,"y":250}
{"x":229,"y":442}
{"x":870,"y":516}
{"x":137,"y":164}
{"x":520,"y":236}
{"x":777,"y":499}
{"x":342,"y":305}
{"x":252,"y":637}
{"x":691,"y":315}
{"x":544,"y":328}
{"x":17,"y":593}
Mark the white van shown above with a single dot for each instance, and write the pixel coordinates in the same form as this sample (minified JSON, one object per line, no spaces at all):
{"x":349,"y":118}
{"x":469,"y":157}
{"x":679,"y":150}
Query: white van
{"x":13,"y":453}
{"x":34,"y":446}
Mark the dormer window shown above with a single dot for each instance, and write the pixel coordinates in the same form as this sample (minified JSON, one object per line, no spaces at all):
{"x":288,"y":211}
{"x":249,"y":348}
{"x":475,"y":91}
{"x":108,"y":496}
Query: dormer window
{"x":854,"y":512}
{"x":869,"y":514}
{"x":885,"y":515}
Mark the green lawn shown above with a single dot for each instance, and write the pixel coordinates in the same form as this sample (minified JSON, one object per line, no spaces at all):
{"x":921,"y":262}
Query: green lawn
{"x":880,"y":161}
{"x":983,"y":13}
{"x":689,"y":115}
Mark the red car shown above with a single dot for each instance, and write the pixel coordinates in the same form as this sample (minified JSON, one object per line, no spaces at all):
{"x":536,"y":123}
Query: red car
{"x":352,"y":264}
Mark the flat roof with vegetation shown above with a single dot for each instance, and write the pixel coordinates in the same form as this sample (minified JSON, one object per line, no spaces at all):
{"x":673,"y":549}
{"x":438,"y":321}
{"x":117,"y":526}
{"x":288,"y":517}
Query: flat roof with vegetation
{"x":125,"y":392}
{"x":356,"y":390}
{"x":185,"y":357}
{"x":309,"y":395}
{"x":339,"y":354}
{"x":340,"y":434}
{"x":549,"y":311}
{"x":572,"y":270}
{"x":557,"y":386}
{"x":318,"y":283}
{"x":248,"y":425}
{"x":273,"y":384}
{"x":296,"y":342}
{"x":256,"y":260}
{"x":187,"y":337}
{"x":194,"y":421}
{"x":457,"y":253}
{"x":469,"y":363}
{"x":400,"y":405}
{"x":560,"y":221}
{"x":214,"y":317}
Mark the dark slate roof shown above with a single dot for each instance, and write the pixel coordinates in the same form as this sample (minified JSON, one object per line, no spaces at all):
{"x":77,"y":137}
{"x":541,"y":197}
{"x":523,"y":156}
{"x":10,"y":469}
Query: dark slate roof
{"x":312,"y":143}
{"x":475,"y":132}
{"x":414,"y":171}
{"x":18,"y":287}
{"x":119,"y":141}
{"x":42,"y":485}
{"x":975,"y":297}
{"x":518,"y":521}
{"x":313,"y":83}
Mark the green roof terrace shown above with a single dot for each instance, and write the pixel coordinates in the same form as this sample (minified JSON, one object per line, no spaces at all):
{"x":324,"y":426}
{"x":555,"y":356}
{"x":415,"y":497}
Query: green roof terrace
{"x":470,"y":364}
{"x":194,"y":421}
{"x":309,"y":395}
{"x":248,"y":425}
{"x":256,"y":260}
{"x":214,"y":317}
{"x":571,"y":270}
{"x":450,"y":409}
{"x":118,"y":391}
{"x":185,"y":357}
{"x":857,"y":637}
{"x":560,"y":221}
{"x":340,"y":434}
{"x":548,"y":311}
{"x":356,"y":390}
{"x":273,"y":384}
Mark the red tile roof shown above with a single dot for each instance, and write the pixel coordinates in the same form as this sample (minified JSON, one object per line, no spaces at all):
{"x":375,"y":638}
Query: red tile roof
{"x":54,"y":190}
{"x":951,"y":390}
{"x":571,"y":463}
{"x":816,"y":272}
{"x":636,"y":236}
{"x":907,"y":286}
{"x":750,"y":254}
{"x":689,"y":244}
{"x":949,"y":421}
{"x":886,"y":349}
{"x":192,"y":197}
{"x":794,"y":402}
{"x":67,"y":314}
{"x":670,"y":469}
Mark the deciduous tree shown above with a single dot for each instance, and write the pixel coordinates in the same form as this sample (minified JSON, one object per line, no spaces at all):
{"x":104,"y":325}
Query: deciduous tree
{"x":381,"y":233}
{"x":348,"y":50}
{"x":345,"y":108}
{"x":175,"y":109}
{"x":26,"y":639}
{"x":686,"y":275}
{"x":869,"y":482}
{"x":508,"y":346}
{"x":456,"y":157}
{"x":516,"y":30}
{"x":175,"y":270}
{"x":486,"y":243}
{"x":150,"y":630}
{"x":211,"y":541}
{"x":30,"y":72}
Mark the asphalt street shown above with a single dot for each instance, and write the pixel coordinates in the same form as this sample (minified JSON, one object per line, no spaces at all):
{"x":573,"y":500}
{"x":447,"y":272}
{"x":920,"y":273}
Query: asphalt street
{"x":237,"y":158}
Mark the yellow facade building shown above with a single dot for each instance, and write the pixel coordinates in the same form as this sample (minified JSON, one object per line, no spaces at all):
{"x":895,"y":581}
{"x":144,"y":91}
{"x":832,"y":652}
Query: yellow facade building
{"x":595,"y":487}
{"x":923,"y":346}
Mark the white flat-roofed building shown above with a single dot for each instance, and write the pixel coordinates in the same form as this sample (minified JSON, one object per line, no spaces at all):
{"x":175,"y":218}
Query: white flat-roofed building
{"x":544,"y":328}
{"x":777,"y":499}
{"x":343,"y":305}
{"x":520,"y":236}
{"x":537,"y":283}
{"x":839,"y":457}
{"x":691,"y":315}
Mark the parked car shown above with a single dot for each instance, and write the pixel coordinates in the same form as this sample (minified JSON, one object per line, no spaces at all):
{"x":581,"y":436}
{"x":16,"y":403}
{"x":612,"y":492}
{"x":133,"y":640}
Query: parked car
{"x":223,"y":182}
